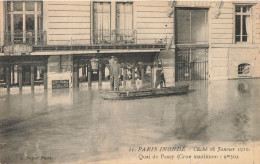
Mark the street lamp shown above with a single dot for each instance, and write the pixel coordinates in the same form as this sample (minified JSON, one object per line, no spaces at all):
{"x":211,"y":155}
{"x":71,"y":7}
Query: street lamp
{"x":94,"y":64}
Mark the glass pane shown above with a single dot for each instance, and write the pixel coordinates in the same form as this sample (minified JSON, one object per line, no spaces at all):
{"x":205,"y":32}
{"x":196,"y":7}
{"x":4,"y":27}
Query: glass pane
{"x":128,"y":7}
{"x":29,"y":6}
{"x":97,"y":7}
{"x":198,"y":27}
{"x":246,"y":9}
{"x":18,"y":22}
{"x":9,"y":22}
{"x":120,"y":22}
{"x":106,"y":21}
{"x":106,"y":7}
{"x":238,"y":8}
{"x":238,"y":38}
{"x":246,"y":24}
{"x":120,"y":7}
{"x":39,"y":21}
{"x":128,"y":21}
{"x":183,"y":26}
{"x":39,"y":6}
{"x":29,"y":22}
{"x":238,"y":24}
{"x":18,"y":6}
{"x":244,"y":38}
{"x":8,"y":6}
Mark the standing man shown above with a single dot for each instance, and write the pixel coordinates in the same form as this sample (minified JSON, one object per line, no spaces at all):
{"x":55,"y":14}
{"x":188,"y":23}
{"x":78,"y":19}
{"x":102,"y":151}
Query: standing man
{"x":160,"y":80}
{"x":115,"y":73}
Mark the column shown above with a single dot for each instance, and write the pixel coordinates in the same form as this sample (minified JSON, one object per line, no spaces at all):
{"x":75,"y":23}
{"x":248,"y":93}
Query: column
{"x":84,"y":70}
{"x":133,"y":74}
{"x":152,"y":76}
{"x":32,"y":77}
{"x":89,"y":75}
{"x":38,"y":72}
{"x":124,"y":75}
{"x":100,"y":74}
{"x":45,"y":79}
{"x":75,"y":75}
{"x":20,"y":74}
{"x":12,"y":75}
{"x":16,"y":74}
{"x":8,"y":77}
{"x":142,"y":73}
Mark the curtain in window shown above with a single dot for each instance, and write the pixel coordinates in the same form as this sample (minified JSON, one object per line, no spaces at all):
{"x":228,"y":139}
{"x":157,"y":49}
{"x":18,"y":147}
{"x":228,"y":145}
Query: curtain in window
{"x":124,"y":20}
{"x":101,"y":22}
{"x":248,"y":28}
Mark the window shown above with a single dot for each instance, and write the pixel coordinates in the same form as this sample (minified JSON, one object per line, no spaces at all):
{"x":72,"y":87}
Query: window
{"x":243,"y":30}
{"x":24,"y":22}
{"x":124,"y":16}
{"x":244,"y":69}
{"x":102,"y":22}
{"x":191,"y":26}
{"x":124,"y":22}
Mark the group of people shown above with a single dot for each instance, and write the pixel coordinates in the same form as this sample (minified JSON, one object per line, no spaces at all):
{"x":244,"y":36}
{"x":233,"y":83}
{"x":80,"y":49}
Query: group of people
{"x":116,"y":73}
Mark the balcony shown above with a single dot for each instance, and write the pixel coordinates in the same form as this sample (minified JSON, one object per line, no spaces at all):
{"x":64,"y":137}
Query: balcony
{"x":26,"y":37}
{"x":114,"y":37}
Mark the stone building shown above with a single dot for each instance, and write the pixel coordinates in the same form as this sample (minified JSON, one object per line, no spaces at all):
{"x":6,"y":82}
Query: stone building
{"x":65,"y":44}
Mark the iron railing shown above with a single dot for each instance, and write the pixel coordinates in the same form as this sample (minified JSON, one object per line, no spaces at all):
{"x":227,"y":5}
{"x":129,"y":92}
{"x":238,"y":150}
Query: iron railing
{"x":31,"y":37}
{"x":124,"y":36}
{"x":114,"y":36}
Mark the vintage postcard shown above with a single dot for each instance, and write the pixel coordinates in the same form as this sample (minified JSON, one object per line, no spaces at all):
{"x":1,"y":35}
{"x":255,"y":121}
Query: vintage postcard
{"x":129,"y":82}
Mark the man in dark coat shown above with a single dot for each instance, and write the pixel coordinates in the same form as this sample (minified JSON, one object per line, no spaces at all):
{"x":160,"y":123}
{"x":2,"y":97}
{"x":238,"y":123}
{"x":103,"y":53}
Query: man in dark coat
{"x":160,"y":80}
{"x":115,"y":73}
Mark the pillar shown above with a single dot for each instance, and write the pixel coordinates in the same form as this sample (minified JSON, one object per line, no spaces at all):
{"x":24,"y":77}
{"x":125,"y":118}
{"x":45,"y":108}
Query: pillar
{"x":38,"y":73}
{"x":32,"y":77}
{"x":152,"y":76}
{"x":100,"y":74}
{"x":142,"y":73}
{"x":12,"y":75}
{"x":75,"y":75}
{"x":84,"y":73}
{"x":17,"y":74}
{"x":8,"y":77}
{"x":124,"y":75}
{"x":133,"y":74}
{"x":45,"y":80}
{"x":89,"y":75}
{"x":20,"y":74}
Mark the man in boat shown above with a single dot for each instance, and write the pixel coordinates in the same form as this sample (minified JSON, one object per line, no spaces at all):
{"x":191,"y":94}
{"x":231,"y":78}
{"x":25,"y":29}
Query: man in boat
{"x":160,"y":80}
{"x":115,"y":73}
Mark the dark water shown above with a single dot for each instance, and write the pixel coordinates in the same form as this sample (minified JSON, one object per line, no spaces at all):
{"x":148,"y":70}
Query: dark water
{"x":77,"y":125}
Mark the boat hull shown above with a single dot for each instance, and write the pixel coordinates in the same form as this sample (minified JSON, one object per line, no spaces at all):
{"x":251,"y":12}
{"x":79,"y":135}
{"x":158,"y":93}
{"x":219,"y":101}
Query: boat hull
{"x":126,"y":95}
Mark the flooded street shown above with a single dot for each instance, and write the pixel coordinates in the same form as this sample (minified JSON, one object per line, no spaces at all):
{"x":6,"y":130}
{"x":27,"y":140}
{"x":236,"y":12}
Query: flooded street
{"x":78,"y":125}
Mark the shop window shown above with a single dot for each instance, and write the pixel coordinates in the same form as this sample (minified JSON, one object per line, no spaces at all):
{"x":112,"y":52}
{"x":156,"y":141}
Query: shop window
{"x":244,"y":69}
{"x":243,"y":22}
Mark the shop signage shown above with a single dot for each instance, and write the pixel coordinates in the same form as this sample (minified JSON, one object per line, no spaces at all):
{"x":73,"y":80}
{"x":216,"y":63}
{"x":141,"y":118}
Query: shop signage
{"x":17,"y":49}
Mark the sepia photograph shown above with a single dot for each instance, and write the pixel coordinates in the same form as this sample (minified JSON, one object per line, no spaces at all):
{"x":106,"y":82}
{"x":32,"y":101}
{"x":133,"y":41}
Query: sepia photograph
{"x":129,"y":82}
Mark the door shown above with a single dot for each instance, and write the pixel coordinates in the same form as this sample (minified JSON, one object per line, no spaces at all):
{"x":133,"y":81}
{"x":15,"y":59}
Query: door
{"x":191,"y":64}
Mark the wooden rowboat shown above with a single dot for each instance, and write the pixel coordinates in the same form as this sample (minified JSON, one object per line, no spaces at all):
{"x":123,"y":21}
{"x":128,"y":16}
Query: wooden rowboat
{"x":136,"y":94}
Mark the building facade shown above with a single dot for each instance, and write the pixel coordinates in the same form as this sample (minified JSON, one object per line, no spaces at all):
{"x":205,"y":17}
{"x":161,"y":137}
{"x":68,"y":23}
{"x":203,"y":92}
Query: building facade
{"x":65,"y":44}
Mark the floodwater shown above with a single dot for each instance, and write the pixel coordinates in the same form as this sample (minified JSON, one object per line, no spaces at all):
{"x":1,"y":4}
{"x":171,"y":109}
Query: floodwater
{"x":70,"y":125}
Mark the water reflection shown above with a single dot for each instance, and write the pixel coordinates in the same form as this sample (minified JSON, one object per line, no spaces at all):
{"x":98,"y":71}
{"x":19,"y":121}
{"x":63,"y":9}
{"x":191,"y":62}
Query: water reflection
{"x":76,"y":124}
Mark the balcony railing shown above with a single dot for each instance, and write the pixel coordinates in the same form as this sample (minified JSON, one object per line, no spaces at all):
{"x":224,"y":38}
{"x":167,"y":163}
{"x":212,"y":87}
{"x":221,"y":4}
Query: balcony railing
{"x":30,"y":37}
{"x":114,"y":37}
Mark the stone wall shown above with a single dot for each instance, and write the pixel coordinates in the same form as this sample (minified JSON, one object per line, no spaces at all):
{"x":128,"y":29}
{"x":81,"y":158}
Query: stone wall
{"x":239,"y":56}
{"x":59,"y":68}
